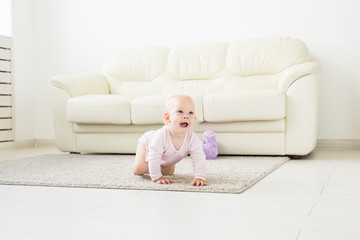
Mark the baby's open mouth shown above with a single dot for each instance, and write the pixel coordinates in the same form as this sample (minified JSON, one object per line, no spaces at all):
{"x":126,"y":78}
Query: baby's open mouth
{"x":184,"y":124}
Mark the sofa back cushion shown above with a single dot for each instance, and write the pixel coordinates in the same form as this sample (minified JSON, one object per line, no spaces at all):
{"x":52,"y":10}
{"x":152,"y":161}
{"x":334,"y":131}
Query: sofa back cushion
{"x":264,"y":56}
{"x":197,"y":61}
{"x":129,"y":70}
{"x":257,"y":63}
{"x":201,"y":69}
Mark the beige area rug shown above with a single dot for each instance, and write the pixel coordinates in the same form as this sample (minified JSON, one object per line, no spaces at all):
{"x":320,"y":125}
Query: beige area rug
{"x":226,"y":174}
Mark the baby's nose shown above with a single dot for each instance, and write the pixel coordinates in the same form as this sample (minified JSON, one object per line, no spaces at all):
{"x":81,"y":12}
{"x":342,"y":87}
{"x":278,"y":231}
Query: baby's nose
{"x":186,"y":116}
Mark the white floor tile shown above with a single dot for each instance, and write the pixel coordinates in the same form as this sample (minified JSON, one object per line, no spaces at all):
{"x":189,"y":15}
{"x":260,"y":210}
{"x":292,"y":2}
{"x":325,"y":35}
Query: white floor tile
{"x":307,"y":167}
{"x":63,"y":195}
{"x":33,"y":221}
{"x":296,"y":179}
{"x":14,"y":232}
{"x":337,"y":199}
{"x":348,"y":166}
{"x":325,"y":184}
{"x":344,"y":190}
{"x":44,"y":235}
{"x":202,"y":210}
{"x":312,"y":235}
{"x":285,"y":189}
{"x":282,"y":197}
{"x":40,"y":207}
{"x":320,"y":154}
{"x":344,"y":180}
{"x":337,"y":210}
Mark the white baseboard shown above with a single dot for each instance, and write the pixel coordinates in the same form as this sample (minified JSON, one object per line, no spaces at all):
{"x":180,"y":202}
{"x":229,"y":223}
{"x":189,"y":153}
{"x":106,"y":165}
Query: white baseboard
{"x":29,"y":143}
{"x":351,"y":144}
{"x":18,"y":144}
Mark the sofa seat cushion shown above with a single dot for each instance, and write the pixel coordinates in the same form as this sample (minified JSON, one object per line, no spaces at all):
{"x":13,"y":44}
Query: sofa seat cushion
{"x":148,"y":109}
{"x":251,"y":105}
{"x":151,"y":109}
{"x":99,"y":109}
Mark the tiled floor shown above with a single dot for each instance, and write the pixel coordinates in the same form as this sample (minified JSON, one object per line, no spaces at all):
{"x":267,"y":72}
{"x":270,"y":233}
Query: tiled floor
{"x":313,"y":198}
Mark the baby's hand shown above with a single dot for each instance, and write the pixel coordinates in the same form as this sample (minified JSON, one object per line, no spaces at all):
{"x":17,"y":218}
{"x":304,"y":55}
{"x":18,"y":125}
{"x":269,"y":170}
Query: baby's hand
{"x":163,"y":180}
{"x":198,"y":182}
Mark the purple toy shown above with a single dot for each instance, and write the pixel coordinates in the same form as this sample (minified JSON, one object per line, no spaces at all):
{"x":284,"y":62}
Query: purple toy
{"x":210,"y":145}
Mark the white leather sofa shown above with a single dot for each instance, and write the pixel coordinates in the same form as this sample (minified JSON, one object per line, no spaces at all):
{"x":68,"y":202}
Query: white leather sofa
{"x":260,"y":97}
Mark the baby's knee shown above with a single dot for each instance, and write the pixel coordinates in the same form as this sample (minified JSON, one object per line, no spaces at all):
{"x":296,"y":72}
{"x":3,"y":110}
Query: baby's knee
{"x":138,"y":172}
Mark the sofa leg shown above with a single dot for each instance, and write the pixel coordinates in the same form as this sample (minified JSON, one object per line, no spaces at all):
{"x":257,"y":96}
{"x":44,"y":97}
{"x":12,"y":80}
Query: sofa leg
{"x":74,"y":153}
{"x":296,"y":157}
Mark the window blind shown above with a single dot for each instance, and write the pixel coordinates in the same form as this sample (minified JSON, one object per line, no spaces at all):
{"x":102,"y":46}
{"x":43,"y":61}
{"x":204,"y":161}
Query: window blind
{"x":6,"y":91}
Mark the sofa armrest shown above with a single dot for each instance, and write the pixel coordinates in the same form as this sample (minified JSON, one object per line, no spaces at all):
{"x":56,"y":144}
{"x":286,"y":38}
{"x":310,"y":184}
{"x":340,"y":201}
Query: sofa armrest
{"x":64,"y":88}
{"x":302,"y":106}
{"x":291,"y":74}
{"x":81,"y":84}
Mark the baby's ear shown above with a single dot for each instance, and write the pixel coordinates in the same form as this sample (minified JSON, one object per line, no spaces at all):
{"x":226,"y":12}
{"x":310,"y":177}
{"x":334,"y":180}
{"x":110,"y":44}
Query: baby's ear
{"x":167,"y":118}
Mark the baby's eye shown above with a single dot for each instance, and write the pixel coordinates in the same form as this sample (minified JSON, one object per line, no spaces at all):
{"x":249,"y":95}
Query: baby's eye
{"x":191,"y":113}
{"x":180,"y":111}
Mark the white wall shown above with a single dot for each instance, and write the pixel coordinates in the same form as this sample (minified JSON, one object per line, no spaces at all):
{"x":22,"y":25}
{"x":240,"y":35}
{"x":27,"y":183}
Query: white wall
{"x":68,"y":36}
{"x":23,"y":58}
{"x":5,"y":17}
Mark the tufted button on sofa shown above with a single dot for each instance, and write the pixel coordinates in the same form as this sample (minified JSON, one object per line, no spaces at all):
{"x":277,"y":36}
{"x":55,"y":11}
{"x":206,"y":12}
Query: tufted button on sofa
{"x":260,"y":96}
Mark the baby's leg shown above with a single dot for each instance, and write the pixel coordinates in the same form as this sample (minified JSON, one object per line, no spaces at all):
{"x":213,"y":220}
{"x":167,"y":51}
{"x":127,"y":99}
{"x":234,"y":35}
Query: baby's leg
{"x":140,"y":167}
{"x":168,"y":170}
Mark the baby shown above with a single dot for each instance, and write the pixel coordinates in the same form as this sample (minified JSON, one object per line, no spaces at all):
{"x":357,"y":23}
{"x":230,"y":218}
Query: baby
{"x":159,"y":150}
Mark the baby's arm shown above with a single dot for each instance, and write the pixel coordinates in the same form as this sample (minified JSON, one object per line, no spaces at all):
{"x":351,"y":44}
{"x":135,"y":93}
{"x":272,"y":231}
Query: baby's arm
{"x":154,"y":166}
{"x":156,"y":150}
{"x":198,"y":160}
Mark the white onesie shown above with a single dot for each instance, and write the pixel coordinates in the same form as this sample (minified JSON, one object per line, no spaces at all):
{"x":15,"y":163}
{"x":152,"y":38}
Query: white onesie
{"x":160,"y":151}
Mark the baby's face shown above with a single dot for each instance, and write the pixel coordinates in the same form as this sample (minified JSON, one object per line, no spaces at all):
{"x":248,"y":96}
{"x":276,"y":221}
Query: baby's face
{"x":182,"y":115}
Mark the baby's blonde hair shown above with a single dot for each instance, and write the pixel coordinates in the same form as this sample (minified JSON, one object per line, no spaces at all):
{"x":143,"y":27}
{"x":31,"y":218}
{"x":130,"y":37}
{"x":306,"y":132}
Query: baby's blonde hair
{"x":170,"y":101}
